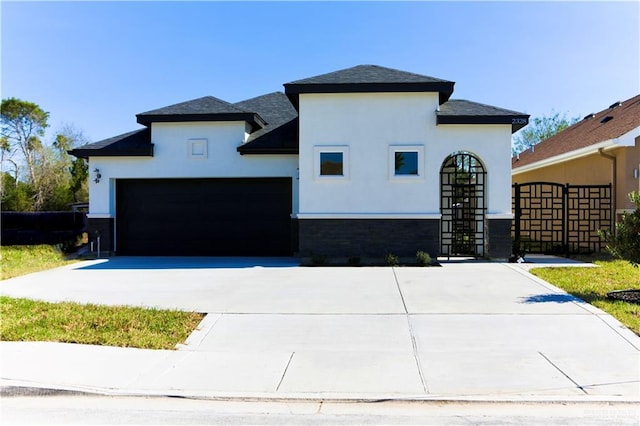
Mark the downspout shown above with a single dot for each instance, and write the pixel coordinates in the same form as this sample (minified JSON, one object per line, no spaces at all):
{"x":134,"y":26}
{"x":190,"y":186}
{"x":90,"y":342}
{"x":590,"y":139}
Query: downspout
{"x":614,"y":184}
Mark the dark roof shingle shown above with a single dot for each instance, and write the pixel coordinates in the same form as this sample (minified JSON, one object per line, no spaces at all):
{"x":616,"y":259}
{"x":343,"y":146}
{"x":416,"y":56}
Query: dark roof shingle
{"x":460,"y":111}
{"x":369,"y":79}
{"x":280,"y":136}
{"x":135,"y":144}
{"x":368,"y":74}
{"x":207,"y":108}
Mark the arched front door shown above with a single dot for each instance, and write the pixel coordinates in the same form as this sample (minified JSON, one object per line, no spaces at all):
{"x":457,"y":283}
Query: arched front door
{"x":462,"y":205}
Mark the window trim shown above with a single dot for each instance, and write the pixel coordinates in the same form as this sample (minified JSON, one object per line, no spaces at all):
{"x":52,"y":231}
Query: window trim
{"x":320,"y":149}
{"x":419,"y":149}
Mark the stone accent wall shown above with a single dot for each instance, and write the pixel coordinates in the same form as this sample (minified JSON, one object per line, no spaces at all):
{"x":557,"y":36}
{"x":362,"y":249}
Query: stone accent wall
{"x":371,"y":238}
{"x":499,"y":238}
{"x":103,"y":226}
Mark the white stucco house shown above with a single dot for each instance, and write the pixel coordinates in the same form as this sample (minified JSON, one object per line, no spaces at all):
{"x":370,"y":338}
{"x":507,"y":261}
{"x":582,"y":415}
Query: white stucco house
{"x":360,"y":162}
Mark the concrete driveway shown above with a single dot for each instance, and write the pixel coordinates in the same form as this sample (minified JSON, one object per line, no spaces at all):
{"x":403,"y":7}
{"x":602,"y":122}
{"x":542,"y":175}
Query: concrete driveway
{"x":465,"y":330}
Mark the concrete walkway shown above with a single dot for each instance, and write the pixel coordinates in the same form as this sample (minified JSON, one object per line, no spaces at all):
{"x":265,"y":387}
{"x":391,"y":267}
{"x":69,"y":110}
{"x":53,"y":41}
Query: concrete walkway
{"x":463,"y":331}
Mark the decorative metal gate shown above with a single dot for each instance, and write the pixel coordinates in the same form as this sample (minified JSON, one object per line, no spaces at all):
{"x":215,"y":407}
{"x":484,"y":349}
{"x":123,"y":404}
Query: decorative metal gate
{"x":553,"y":218}
{"x":462,"y":205}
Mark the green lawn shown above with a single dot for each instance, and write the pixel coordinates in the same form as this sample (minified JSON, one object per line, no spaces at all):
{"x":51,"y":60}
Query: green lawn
{"x":21,"y":260}
{"x":28,"y":320}
{"x":593,"y":284}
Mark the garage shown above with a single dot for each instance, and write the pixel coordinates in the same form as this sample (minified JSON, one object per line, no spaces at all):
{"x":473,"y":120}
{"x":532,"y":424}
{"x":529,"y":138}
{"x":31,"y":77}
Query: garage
{"x":204,"y":217}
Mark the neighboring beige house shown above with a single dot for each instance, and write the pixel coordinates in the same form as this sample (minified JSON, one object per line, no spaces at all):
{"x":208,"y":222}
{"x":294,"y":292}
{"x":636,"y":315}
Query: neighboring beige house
{"x":602,"y":148}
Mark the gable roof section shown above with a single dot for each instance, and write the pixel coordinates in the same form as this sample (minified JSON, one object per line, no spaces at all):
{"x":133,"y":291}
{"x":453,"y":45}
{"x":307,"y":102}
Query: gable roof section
{"x":131,"y":144}
{"x":280,"y":136}
{"x":369,"y":79}
{"x":460,"y":111}
{"x":617,"y":125}
{"x":207,"y":108}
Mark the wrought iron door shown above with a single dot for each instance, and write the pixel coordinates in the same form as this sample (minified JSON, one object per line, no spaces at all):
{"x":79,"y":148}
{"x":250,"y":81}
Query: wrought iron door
{"x":462,"y":205}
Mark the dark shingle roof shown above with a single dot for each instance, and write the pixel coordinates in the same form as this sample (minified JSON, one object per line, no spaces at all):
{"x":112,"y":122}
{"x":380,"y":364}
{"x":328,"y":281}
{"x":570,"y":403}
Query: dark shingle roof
{"x":207,"y":108}
{"x":274,"y":118}
{"x":135,"y":144}
{"x":280,"y":136}
{"x":460,"y":111}
{"x":367,"y":79}
{"x":593,"y":129}
{"x":368,"y":74}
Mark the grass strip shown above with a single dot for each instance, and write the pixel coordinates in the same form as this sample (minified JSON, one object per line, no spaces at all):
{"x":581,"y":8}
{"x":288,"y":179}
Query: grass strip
{"x":21,"y":260}
{"x":593,"y":284}
{"x":28,"y":320}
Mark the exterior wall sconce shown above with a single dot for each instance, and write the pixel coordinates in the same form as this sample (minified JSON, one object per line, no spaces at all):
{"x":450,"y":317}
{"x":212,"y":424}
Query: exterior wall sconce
{"x":98,"y":175}
{"x":635,"y":173}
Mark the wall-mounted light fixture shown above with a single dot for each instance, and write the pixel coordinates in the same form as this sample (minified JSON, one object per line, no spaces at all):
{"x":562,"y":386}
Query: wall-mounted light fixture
{"x":635,"y":173}
{"x":98,"y":175}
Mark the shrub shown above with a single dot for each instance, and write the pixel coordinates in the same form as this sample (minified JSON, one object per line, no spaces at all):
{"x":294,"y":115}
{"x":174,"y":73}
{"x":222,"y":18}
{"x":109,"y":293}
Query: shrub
{"x":625,"y":243}
{"x":423,"y":259}
{"x":391,"y":259}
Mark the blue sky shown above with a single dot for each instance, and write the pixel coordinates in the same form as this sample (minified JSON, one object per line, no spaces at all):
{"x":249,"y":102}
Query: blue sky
{"x":97,"y":64}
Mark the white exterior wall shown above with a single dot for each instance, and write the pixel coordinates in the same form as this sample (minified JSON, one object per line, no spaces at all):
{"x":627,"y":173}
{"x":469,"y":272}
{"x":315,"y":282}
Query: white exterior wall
{"x":369,"y":124}
{"x":171,"y":159}
{"x":492,"y":145}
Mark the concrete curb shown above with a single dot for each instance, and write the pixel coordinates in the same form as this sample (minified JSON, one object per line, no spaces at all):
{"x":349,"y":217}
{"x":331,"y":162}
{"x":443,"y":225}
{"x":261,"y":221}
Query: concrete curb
{"x":36,"y":390}
{"x":197,"y":336}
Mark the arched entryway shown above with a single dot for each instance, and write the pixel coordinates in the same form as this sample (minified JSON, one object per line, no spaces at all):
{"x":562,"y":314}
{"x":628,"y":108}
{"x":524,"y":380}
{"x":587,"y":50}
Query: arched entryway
{"x":462,"y":205}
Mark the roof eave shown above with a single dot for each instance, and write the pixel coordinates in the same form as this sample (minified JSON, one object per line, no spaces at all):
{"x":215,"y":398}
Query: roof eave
{"x":517,"y":122}
{"x":266,"y":151}
{"x":146,"y":151}
{"x":443,"y":88}
{"x":253,"y":119}
{"x":567,"y":156}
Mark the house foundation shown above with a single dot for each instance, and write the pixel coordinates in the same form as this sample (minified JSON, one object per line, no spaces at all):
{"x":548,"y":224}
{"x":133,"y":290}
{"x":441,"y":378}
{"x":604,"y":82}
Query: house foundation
{"x":368,"y":238}
{"x":100,"y":232}
{"x":499,"y":238}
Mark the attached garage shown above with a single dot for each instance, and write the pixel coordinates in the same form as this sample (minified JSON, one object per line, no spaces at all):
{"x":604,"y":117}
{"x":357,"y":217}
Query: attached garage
{"x":204,"y":217}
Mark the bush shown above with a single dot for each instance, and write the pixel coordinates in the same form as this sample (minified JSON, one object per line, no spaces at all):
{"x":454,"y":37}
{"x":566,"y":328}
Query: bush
{"x":391,"y":259}
{"x":625,"y":243}
{"x":423,"y":259}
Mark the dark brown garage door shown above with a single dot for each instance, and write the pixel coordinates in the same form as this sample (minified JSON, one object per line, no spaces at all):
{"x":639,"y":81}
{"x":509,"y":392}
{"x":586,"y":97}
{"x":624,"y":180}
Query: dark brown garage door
{"x":203,"y":217}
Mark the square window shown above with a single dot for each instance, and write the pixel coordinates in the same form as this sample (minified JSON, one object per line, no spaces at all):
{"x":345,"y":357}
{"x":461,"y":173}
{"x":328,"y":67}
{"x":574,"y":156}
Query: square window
{"x":331,"y":164}
{"x":406,"y":163}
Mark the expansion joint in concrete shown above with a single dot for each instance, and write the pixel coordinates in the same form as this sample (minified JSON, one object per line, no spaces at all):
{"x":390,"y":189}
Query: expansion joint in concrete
{"x":284,"y":373}
{"x":563,"y":373}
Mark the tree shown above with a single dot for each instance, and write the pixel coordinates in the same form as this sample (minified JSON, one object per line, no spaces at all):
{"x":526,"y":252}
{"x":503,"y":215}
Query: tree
{"x":61,"y":180}
{"x":625,"y":242}
{"x":542,"y":128}
{"x":79,"y":180}
{"x":23,"y":124}
{"x":15,"y":195}
{"x":68,"y":138}
{"x":53,"y":179}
